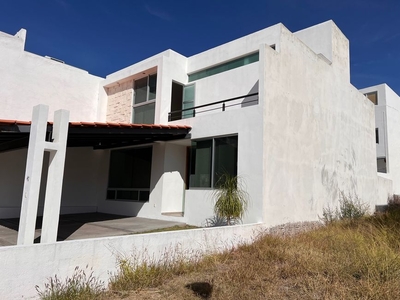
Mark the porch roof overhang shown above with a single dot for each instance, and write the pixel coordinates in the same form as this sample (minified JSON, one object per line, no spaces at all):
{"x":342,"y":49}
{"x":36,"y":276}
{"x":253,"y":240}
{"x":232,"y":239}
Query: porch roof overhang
{"x":14,"y":134}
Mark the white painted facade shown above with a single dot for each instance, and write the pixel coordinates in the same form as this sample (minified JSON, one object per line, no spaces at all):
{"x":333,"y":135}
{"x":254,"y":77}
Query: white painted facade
{"x":299,"y":145}
{"x":31,"y":80}
{"x":387,"y":126}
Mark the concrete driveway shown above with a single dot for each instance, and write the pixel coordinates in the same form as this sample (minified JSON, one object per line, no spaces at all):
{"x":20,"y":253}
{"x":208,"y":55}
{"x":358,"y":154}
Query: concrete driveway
{"x":83,"y":226}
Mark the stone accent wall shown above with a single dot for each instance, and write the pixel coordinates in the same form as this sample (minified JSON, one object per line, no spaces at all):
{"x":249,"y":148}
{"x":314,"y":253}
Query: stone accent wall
{"x":119,"y":106}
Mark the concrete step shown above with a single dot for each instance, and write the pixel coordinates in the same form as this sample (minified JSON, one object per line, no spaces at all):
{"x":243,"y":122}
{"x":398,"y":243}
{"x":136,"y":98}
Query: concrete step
{"x":173,"y":214}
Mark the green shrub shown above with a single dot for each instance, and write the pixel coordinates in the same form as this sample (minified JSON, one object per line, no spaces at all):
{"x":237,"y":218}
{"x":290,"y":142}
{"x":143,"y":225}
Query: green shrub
{"x":80,"y":286}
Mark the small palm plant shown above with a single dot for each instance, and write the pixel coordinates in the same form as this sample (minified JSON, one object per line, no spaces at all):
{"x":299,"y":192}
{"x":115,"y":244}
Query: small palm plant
{"x":231,"y":200}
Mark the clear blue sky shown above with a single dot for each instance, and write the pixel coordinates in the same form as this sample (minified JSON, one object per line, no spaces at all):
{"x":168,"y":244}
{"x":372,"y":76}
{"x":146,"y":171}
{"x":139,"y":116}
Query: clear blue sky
{"x":103,"y":36}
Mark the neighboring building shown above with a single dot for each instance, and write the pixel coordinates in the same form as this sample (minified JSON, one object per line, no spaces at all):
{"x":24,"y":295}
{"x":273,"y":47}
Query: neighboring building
{"x":274,"y":107}
{"x":387,"y":131}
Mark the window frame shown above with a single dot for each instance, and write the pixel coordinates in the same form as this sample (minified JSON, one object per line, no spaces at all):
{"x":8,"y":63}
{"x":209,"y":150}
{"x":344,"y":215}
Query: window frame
{"x":212,"y":162}
{"x":180,"y":114}
{"x":147,"y":101}
{"x":188,"y":113}
{"x":225,"y":66}
{"x":138,"y":190}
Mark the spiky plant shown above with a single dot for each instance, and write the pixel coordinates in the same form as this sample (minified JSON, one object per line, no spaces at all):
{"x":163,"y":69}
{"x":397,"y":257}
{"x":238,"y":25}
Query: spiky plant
{"x":231,"y":199}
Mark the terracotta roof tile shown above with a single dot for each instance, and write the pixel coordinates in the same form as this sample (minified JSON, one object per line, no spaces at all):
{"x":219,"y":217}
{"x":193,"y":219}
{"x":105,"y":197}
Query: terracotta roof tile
{"x":7,"y":122}
{"x":14,"y":122}
{"x":75,"y":124}
{"x":113,"y":124}
{"x":101,"y":124}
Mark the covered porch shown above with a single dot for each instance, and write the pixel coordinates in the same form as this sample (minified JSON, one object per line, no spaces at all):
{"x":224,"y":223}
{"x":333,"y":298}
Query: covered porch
{"x":86,"y":185}
{"x":84,"y":226}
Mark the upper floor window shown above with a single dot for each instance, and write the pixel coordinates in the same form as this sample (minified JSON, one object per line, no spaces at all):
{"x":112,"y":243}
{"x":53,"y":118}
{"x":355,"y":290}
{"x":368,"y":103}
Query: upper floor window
{"x":233,"y":64}
{"x":373,"y":97}
{"x":144,"y":100}
{"x":182,"y":98}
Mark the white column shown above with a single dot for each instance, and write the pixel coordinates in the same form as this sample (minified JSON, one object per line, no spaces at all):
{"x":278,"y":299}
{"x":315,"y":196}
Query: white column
{"x":30,"y":197}
{"x":52,"y":202}
{"x":33,"y":174}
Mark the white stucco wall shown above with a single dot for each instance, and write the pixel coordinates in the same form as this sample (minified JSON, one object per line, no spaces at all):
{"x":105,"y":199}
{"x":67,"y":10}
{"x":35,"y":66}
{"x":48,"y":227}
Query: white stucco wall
{"x":234,"y":49}
{"x":85,"y":180}
{"x":385,"y":188}
{"x":173,"y":68}
{"x":393,"y":136}
{"x":387,"y":120}
{"x":318,"y":38}
{"x":28,"y":266}
{"x":101,"y":254}
{"x":12,"y":170}
{"x":380,"y":118}
{"x":31,"y":79}
{"x":318,"y":134}
{"x":173,"y":193}
{"x":84,"y":185}
{"x":380,"y":121}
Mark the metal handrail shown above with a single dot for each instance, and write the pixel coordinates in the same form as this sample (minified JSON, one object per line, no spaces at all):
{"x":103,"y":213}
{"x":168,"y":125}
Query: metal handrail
{"x":193,"y":109}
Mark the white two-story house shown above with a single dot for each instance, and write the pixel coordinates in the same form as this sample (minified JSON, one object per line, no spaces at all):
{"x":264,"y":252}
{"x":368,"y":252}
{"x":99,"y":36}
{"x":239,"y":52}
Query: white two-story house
{"x":151,"y":140}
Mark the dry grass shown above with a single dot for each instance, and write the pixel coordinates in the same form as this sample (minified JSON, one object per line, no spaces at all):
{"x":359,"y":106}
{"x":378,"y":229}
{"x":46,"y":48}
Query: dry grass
{"x":83,"y":285}
{"x":344,"y":260}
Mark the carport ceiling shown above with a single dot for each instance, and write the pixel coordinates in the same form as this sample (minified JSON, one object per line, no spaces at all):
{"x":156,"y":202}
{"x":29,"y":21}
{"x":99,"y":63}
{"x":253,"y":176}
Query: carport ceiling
{"x":15,"y":134}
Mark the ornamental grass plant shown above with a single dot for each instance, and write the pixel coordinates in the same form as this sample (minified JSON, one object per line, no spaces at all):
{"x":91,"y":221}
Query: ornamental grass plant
{"x":231,"y":199}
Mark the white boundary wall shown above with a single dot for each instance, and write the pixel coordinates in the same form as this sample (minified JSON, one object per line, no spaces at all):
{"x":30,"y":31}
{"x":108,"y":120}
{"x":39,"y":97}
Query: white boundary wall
{"x":26,"y":266}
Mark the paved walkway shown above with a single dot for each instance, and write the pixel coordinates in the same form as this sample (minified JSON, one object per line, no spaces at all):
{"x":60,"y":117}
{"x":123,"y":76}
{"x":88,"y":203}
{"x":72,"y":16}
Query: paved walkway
{"x":83,"y":226}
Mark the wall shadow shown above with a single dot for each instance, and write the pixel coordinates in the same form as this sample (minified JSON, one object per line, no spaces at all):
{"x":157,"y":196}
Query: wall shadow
{"x":251,"y":100}
{"x":67,"y":225}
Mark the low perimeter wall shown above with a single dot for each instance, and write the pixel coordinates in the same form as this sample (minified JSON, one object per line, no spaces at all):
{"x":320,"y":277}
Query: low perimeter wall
{"x":24,"y":267}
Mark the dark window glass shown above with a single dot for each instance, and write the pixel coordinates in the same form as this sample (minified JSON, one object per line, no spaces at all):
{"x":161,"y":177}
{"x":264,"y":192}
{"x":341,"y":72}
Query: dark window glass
{"x":144,"y":114}
{"x":145,"y":90}
{"x":152,"y":86}
{"x":111,"y":194}
{"x":200,"y":173}
{"x":225,"y":157}
{"x":233,"y":64}
{"x":381,"y":164}
{"x":141,"y":90}
{"x":210,"y":159}
{"x":144,"y":195}
{"x":129,"y":174}
{"x":127,"y":195}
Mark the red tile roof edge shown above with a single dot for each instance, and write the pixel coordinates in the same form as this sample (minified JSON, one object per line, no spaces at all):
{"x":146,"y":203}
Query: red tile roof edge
{"x":102,"y":124}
